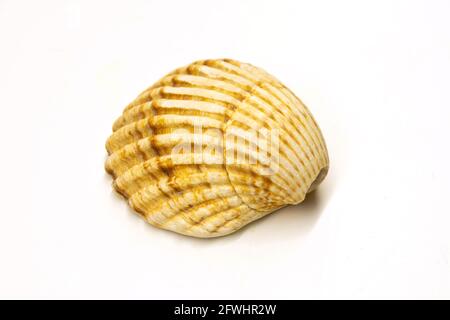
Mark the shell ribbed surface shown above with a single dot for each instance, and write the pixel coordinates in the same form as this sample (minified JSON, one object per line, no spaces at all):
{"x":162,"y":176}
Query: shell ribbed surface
{"x":214,"y":146}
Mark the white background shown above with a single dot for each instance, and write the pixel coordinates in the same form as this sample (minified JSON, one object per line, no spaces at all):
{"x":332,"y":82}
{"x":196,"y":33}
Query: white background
{"x":376,"y":76}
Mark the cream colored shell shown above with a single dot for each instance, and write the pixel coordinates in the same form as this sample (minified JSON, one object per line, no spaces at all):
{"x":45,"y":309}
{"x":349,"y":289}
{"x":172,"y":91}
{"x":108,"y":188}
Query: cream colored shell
{"x":186,"y":193}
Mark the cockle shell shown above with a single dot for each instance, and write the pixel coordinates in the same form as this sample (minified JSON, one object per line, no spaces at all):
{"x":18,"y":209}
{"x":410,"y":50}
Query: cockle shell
{"x":214,"y":146}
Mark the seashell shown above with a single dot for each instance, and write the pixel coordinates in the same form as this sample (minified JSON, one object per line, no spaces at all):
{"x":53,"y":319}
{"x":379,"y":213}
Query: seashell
{"x":214,"y":146}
